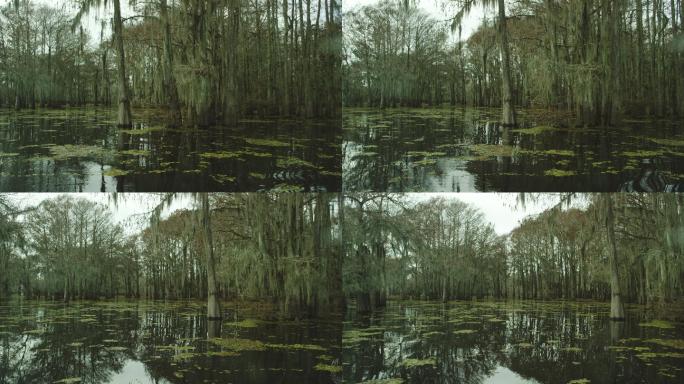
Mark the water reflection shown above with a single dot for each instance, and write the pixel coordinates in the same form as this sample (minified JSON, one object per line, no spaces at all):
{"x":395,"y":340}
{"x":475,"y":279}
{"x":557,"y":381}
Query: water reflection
{"x":462,"y":150}
{"x":521,"y":342}
{"x":156,"y":342}
{"x":81,"y":150}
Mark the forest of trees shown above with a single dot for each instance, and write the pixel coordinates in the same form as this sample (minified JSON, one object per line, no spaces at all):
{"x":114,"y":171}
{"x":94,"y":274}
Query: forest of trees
{"x":629,"y":245}
{"x":583,"y":56}
{"x":206,"y":61}
{"x":283,"y":248}
{"x":291,"y":249}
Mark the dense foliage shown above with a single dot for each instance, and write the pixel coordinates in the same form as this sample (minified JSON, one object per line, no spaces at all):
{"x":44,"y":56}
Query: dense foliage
{"x":264,"y":246}
{"x":207,"y":61}
{"x":445,"y":249}
{"x":583,"y":56}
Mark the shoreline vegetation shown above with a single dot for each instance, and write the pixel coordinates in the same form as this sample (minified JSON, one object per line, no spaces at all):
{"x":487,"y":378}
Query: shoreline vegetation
{"x":205,"y":63}
{"x":444,"y":249}
{"x":583,"y":57}
{"x":76,"y":251}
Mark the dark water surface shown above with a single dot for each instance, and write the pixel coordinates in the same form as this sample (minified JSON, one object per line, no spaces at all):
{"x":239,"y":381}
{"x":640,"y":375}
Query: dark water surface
{"x":514,"y":342}
{"x":80,"y":149}
{"x":462,"y":150}
{"x":154,"y":342}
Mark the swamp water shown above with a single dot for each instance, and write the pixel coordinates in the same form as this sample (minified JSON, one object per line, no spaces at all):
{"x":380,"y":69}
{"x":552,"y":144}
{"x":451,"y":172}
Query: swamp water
{"x":145,"y":342}
{"x":81,"y":150}
{"x":460,"y":149}
{"x":512,"y":342}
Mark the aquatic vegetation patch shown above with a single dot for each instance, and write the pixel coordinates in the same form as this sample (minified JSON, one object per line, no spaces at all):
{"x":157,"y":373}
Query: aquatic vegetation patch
{"x":667,"y":372}
{"x":535,"y":130}
{"x":303,"y":347}
{"x":579,"y":381}
{"x":328,"y":368}
{"x":238,"y":345}
{"x":426,"y":154}
{"x":135,"y":152}
{"x":490,"y":150}
{"x":113,"y":172}
{"x":255,"y":153}
{"x":559,"y":152}
{"x":222,"y":353}
{"x":642,"y":153}
{"x":618,"y":348}
{"x":433,"y":333}
{"x":5,"y":154}
{"x":672,"y":343}
{"x":68,"y":380}
{"x":465,"y":331}
{"x":554,"y":172}
{"x":69,"y":151}
{"x":34,"y":332}
{"x":220,"y":155}
{"x":668,"y":142}
{"x":412,"y":363}
{"x":330,"y":173}
{"x":524,"y":345}
{"x":257,"y":175}
{"x":648,"y":356}
{"x":425,"y":162}
{"x":365,"y":154}
{"x":267,"y":142}
{"x":384,"y":381}
{"x":223,"y":179}
{"x":495,"y":320}
{"x":358,"y":335}
{"x":572,"y":349}
{"x":293,"y":162}
{"x":662,"y":324}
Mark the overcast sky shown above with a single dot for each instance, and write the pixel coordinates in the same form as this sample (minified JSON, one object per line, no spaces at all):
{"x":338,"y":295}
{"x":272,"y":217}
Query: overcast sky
{"x":500,"y":209}
{"x":92,"y":21}
{"x":129,"y":211}
{"x":436,"y":9}
{"x":433,"y":7}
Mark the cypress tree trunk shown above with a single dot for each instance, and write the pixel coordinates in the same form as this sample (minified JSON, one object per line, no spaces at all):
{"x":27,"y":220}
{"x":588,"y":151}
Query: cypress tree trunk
{"x":124,"y":118}
{"x":169,"y":78}
{"x":213,"y":305}
{"x":508,"y":112}
{"x":617,"y":310}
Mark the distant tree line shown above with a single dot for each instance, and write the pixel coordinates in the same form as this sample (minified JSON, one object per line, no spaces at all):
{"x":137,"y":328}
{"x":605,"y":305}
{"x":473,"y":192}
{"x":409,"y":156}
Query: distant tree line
{"x":584,"y":56}
{"x":206,"y":61}
{"x":445,"y":249}
{"x":282,"y":248}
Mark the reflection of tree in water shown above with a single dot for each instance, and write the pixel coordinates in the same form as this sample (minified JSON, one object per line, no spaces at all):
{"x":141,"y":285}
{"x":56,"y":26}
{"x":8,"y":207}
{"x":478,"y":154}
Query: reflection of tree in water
{"x":547,"y":342}
{"x":170,"y":340}
{"x":53,"y":357}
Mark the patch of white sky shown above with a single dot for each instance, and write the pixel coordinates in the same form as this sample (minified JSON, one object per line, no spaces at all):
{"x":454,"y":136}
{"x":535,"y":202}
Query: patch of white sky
{"x":92,"y":21}
{"x":439,"y":10}
{"x":130,"y":210}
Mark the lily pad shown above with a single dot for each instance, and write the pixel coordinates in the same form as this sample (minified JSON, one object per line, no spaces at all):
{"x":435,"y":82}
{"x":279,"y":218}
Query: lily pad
{"x":662,"y":324}
{"x":328,"y":368}
{"x":411,"y":363}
